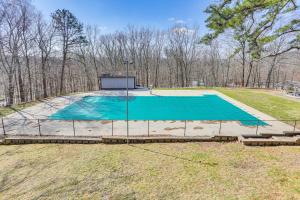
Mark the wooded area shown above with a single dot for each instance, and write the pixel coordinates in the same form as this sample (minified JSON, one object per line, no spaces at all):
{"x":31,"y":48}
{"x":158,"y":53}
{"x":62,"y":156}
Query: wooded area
{"x":39,"y":58}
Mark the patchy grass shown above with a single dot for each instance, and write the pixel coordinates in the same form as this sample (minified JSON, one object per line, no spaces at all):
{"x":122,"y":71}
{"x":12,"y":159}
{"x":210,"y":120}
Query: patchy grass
{"x":15,"y":108}
{"x":149,"y":171}
{"x":265,"y":101}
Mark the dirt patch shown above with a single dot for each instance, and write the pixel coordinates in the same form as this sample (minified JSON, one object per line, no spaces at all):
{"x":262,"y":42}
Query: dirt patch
{"x":198,"y":128}
{"x":175,"y":128}
{"x":105,"y":122}
{"x":210,"y":122}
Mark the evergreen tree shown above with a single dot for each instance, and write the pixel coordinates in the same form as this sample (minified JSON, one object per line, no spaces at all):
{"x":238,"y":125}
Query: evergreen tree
{"x":70,"y":30}
{"x":257,"y":22}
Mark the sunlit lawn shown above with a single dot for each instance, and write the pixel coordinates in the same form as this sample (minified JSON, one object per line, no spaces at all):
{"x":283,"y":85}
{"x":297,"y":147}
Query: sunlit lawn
{"x":267,"y":102}
{"x":15,"y":108}
{"x":149,"y":171}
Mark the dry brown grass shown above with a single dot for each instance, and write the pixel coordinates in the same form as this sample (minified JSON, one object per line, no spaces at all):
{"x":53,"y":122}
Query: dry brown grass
{"x":149,"y":171}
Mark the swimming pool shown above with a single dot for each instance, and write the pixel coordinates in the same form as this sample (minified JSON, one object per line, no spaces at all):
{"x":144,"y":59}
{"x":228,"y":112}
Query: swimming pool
{"x":206,"y":107}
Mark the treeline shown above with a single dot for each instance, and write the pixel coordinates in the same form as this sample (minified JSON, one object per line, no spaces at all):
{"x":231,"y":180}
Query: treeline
{"x":39,"y":59}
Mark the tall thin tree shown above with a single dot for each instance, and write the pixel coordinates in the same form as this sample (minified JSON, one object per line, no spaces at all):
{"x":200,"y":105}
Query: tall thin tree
{"x":70,"y":31}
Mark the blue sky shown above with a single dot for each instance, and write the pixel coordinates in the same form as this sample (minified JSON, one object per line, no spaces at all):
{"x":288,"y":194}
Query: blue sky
{"x":111,"y":15}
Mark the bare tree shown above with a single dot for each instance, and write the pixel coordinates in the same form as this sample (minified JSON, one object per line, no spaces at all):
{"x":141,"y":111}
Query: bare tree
{"x":44,"y":40}
{"x":10,"y":43}
{"x":40,"y":59}
{"x":182,"y":43}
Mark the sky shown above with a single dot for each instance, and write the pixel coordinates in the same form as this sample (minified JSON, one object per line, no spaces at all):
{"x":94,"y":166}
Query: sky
{"x":112,"y":15}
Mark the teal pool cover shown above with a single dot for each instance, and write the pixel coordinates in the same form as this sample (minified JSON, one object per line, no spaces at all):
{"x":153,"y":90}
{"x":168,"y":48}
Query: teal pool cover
{"x":206,"y":107}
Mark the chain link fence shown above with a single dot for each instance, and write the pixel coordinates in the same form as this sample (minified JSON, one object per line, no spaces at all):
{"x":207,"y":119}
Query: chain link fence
{"x":92,"y":128}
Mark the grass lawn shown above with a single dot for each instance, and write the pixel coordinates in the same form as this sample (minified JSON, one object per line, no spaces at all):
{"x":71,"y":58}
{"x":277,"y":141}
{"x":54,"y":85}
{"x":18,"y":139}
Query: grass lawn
{"x":265,"y":101}
{"x":149,"y":171}
{"x":15,"y":108}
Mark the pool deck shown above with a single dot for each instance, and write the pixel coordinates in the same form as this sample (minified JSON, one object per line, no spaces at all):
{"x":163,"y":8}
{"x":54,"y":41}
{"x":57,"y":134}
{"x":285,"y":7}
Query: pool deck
{"x":25,"y":122}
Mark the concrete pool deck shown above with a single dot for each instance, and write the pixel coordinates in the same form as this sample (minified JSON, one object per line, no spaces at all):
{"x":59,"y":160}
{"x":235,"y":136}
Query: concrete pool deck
{"x":25,"y":122}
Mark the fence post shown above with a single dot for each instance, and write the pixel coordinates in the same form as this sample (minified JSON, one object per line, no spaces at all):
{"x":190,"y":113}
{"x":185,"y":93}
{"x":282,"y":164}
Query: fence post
{"x":184,"y":128}
{"x":40,"y":133}
{"x":73,"y":127}
{"x":127,"y":131}
{"x":112,"y":127}
{"x":256,"y":128}
{"x":220,"y":127}
{"x":4,"y":133}
{"x":295,"y":126}
{"x":148,"y":129}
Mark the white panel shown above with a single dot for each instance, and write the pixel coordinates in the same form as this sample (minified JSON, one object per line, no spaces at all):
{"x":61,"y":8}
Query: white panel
{"x":116,"y":83}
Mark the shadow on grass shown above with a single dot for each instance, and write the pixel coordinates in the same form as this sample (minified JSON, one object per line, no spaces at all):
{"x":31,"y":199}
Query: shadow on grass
{"x":211,"y":164}
{"x":18,"y":108}
{"x":9,"y":182}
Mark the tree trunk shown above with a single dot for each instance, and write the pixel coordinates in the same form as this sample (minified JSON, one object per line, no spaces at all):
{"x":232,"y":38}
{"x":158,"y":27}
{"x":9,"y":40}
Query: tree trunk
{"x":62,"y":76}
{"x":21,"y":85}
{"x":227,"y":73}
{"x":29,"y":77}
{"x":156,"y":75}
{"x":268,"y":81}
{"x":44,"y":82}
{"x":249,"y":75}
{"x":243,"y":66}
{"x":10,"y":89}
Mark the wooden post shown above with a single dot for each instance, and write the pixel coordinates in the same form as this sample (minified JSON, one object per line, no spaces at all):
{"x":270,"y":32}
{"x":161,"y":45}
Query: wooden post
{"x":295,"y":126}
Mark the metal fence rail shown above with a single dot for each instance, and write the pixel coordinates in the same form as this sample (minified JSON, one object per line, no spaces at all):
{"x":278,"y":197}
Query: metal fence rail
{"x":92,"y":128}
